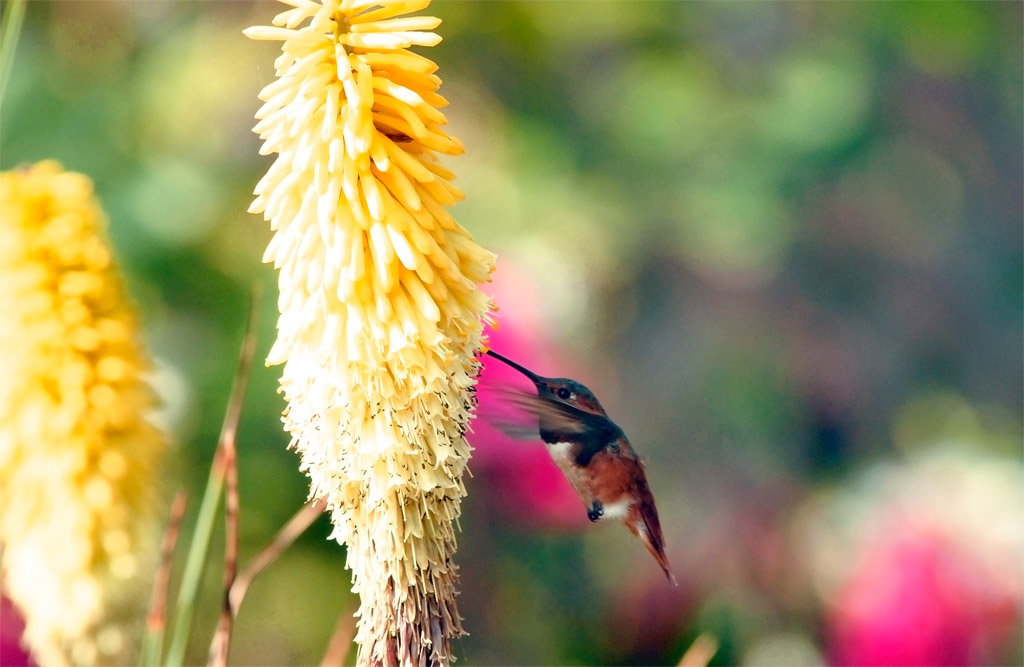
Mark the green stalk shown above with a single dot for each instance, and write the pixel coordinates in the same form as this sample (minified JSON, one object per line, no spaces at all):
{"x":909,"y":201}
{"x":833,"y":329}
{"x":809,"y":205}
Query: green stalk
{"x":14,"y":16}
{"x":194,"y":565}
{"x":156,"y":620}
{"x":199,"y":548}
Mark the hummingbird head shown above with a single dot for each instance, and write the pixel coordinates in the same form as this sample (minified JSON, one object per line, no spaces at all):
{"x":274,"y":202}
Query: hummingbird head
{"x":559,"y":390}
{"x":569,"y":392}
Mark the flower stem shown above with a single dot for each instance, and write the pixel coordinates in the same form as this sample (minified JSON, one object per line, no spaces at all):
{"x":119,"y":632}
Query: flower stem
{"x":156,"y":621}
{"x":200,"y":546}
{"x":297,"y":525}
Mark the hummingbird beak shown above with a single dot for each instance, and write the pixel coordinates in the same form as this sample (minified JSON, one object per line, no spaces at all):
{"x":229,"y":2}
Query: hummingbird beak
{"x":533,"y":376}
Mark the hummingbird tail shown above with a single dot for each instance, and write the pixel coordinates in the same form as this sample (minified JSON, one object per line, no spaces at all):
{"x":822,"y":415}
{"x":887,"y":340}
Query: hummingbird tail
{"x":659,"y":555}
{"x":652,"y":539}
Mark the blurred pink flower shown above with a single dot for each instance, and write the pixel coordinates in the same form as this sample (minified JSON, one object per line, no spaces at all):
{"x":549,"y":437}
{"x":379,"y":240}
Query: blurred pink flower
{"x":519,"y":472}
{"x":918,"y":600}
{"x":919,"y":561}
{"x":11,"y":628}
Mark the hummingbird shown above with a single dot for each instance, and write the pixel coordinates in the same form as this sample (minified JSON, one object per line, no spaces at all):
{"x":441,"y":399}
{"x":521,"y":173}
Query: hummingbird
{"x":593,"y":454}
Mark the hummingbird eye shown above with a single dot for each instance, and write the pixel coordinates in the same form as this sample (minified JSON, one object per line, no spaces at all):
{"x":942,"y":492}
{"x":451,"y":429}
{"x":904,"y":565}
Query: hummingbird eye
{"x":563,"y":393}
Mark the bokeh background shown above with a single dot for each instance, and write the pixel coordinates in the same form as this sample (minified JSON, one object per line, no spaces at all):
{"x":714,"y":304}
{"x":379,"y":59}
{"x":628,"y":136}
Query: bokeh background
{"x":782,"y":242}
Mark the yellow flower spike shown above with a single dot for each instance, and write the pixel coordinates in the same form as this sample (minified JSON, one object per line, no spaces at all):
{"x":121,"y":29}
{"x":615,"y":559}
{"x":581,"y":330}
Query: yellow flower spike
{"x":380,"y":317}
{"x":77,"y":458}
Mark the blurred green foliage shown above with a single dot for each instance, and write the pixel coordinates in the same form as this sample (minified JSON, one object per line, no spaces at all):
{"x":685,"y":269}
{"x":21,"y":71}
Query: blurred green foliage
{"x":789,"y":232}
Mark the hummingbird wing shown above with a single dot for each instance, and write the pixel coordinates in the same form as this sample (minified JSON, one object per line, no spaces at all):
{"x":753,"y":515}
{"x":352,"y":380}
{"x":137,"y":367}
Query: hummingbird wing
{"x":532,"y":411}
